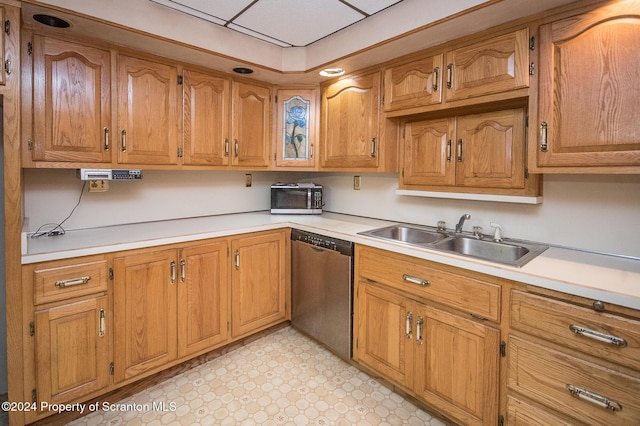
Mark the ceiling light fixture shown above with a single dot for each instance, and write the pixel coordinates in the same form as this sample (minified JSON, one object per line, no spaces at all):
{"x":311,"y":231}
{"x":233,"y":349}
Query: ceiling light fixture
{"x":243,"y":70}
{"x":332,"y":72}
{"x":51,"y":21}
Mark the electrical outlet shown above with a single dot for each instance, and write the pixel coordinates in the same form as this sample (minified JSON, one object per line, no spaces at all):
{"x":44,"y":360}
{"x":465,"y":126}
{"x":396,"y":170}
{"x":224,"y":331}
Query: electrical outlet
{"x":356,"y":183}
{"x":247,"y":180}
{"x":98,"y":185}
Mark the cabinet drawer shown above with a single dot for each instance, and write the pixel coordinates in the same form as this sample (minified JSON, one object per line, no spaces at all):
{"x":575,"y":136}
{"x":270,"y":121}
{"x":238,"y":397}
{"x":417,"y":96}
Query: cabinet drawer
{"x":556,"y":321}
{"x":472,"y":292}
{"x":547,"y":375}
{"x":55,"y":281}
{"x":520,"y":413}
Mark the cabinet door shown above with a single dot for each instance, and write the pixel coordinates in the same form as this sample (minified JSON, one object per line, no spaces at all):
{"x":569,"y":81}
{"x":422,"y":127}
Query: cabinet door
{"x":350,"y":123}
{"x":148,"y":112}
{"x":72,"y":112}
{"x":493,"y":66}
{"x":206,"y":105}
{"x":384,"y":330}
{"x":428,"y":153}
{"x":590,"y":118}
{"x":202,"y":297}
{"x":251,"y":127}
{"x":144,"y":312}
{"x":296,"y":131}
{"x":72,"y":350}
{"x":490,"y":149}
{"x":258,"y":282}
{"x":456,"y":366}
{"x":415,"y":84}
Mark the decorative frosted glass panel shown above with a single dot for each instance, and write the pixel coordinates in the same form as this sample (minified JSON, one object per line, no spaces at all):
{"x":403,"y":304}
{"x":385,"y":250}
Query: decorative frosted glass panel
{"x":295,"y":139}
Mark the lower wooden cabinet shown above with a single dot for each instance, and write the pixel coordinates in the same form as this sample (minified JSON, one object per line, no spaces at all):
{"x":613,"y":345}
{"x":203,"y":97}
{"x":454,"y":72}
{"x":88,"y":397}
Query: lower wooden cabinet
{"x":572,"y":361}
{"x":447,"y":360}
{"x":203,"y":307}
{"x":72,"y":350}
{"x":258,"y":282}
{"x":145,"y":312}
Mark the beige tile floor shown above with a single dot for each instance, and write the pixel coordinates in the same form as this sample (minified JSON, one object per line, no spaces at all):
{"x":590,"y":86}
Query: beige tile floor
{"x":284,"y":378}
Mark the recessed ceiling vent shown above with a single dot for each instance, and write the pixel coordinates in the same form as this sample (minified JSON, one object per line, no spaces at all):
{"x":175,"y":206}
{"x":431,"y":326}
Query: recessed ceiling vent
{"x":51,"y":21}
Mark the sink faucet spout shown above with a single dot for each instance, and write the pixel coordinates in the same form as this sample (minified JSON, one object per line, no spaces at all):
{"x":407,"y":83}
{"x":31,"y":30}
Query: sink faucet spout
{"x":460,"y":224}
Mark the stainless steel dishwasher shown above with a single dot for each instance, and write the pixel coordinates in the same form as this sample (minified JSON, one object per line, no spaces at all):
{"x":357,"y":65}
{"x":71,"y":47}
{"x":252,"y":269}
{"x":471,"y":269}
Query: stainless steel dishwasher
{"x":321,"y":289}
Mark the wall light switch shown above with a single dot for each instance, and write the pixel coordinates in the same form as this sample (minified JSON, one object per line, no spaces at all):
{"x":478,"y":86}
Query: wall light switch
{"x":356,"y":183}
{"x":247,"y":180}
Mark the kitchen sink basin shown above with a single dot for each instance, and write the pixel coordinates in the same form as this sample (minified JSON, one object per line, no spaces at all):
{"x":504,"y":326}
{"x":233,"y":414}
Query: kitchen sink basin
{"x":406,"y":234}
{"x":501,"y":252}
{"x":508,"y":252}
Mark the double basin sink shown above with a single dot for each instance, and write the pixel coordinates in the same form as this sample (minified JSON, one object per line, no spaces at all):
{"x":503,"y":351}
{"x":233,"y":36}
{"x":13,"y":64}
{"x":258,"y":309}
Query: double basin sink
{"x":507,"y":252}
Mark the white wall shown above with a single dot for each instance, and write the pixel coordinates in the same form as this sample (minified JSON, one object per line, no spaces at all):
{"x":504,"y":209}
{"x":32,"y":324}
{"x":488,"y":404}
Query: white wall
{"x":595,"y":212}
{"x":599,"y":213}
{"x":50,"y":195}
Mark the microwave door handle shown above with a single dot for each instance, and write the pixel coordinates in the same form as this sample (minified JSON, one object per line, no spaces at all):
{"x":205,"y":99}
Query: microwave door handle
{"x":308,"y":198}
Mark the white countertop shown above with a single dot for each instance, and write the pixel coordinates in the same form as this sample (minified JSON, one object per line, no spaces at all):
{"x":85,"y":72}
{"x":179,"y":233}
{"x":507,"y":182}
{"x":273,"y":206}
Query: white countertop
{"x":596,"y":276}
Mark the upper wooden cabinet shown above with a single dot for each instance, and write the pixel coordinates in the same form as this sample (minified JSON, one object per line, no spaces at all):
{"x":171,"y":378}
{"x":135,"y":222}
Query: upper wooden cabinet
{"x":72,"y":108}
{"x":589,"y":93}
{"x":495,"y":65}
{"x":206,"y":114}
{"x":479,"y":152}
{"x":413,"y":84}
{"x":251,"y":125}
{"x":296,"y":128}
{"x":148,"y":112}
{"x":353,"y":133}
{"x":441,"y":80}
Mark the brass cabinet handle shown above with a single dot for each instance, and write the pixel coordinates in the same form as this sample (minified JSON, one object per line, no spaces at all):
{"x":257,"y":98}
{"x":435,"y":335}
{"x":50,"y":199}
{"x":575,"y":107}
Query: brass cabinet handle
{"x":449,"y":144}
{"x":236,"y":259}
{"x":235,"y":147}
{"x":183,"y":270}
{"x":123,"y":137}
{"x":416,"y":280}
{"x":436,"y":78}
{"x":594,"y":398}
{"x":311,"y":151}
{"x":173,"y":271}
{"x":226,"y":147}
{"x":544,"y":136}
{"x":597,"y":335}
{"x":419,"y":331}
{"x":7,"y":66}
{"x":409,"y":325}
{"x":72,"y":281}
{"x":373,"y":147}
{"x":449,"y":76}
{"x":102,"y":323}
{"x":107,"y":146}
{"x":460,"y":152}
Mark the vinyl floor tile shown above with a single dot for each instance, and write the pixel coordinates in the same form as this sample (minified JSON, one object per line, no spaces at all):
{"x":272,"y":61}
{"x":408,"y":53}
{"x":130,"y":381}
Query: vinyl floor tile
{"x":284,"y":378}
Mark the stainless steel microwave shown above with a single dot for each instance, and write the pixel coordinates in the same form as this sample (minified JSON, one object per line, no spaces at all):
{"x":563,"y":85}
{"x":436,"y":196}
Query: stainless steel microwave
{"x":296,"y":198}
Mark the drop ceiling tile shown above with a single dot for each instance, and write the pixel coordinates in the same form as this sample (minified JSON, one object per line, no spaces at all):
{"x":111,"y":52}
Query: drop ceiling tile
{"x":264,"y":37}
{"x":219,"y":11}
{"x":287,"y":21}
{"x":372,"y":6}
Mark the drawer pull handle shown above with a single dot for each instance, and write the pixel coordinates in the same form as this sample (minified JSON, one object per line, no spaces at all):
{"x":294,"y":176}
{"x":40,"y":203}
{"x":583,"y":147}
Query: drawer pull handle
{"x":594,"y":398}
{"x":409,"y":325}
{"x":72,"y":282}
{"x":415,"y":280}
{"x":596,"y":335}
{"x":419,"y":330}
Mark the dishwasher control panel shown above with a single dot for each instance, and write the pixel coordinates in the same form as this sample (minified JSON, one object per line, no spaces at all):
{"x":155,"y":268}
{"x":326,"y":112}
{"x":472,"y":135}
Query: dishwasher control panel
{"x":329,"y":243}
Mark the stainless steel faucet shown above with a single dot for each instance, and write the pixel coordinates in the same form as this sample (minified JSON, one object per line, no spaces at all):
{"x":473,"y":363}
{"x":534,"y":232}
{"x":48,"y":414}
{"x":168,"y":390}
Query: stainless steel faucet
{"x":460,"y":224}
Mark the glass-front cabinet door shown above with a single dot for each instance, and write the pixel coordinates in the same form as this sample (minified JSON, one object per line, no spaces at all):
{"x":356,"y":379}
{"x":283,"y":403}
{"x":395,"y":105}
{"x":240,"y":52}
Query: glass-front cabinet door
{"x":297,"y":132}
